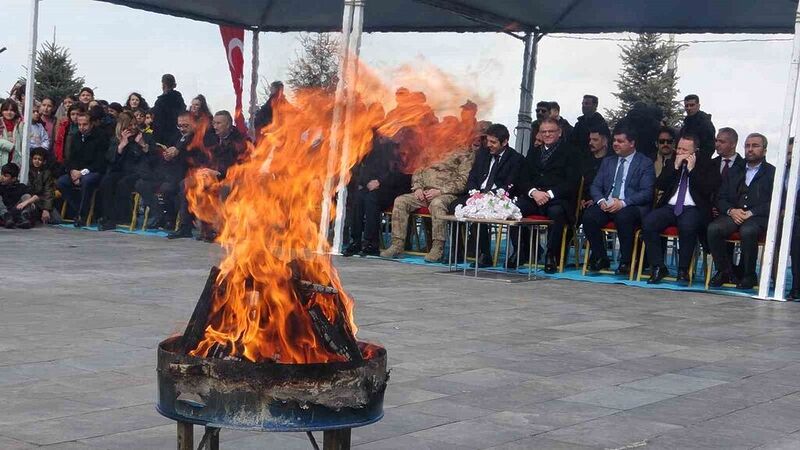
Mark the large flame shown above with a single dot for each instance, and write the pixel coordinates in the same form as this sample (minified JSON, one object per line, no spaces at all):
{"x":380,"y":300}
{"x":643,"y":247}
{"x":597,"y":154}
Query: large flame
{"x":269,"y":206}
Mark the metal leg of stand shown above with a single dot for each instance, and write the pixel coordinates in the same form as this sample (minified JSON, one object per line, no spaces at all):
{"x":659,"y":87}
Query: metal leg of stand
{"x":450,"y":248}
{"x":508,"y":239}
{"x":534,"y":253}
{"x":336,"y":439}
{"x":519,"y":242}
{"x":477,"y":243}
{"x":466,"y":246}
{"x":210,"y":439}
{"x":185,"y":436}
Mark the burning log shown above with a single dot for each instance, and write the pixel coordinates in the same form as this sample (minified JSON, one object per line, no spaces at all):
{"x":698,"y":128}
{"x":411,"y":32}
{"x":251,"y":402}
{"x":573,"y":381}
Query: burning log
{"x":196,"y":328}
{"x":336,"y":336}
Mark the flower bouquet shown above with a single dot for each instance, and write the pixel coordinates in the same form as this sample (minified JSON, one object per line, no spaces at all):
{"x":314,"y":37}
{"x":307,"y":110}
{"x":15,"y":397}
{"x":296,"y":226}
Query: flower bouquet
{"x":490,"y":205}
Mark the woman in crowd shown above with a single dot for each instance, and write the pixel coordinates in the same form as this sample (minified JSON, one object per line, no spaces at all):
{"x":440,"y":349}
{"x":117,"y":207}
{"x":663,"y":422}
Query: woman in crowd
{"x":136,"y":101}
{"x":200,"y":110}
{"x":66,"y":128}
{"x":10,"y":133}
{"x":38,"y":132}
{"x":47,"y":109}
{"x":131,"y":156}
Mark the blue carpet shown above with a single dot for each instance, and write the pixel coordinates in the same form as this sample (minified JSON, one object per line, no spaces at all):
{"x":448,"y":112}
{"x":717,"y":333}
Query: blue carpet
{"x":120,"y":229}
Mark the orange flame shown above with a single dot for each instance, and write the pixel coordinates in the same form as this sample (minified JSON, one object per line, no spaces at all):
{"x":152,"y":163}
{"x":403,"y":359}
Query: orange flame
{"x":270,"y":217}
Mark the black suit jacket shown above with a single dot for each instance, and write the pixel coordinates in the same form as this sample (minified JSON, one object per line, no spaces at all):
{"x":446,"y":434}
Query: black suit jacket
{"x":735,"y":193}
{"x":509,"y":166}
{"x":703,"y":182}
{"x":561,"y":174}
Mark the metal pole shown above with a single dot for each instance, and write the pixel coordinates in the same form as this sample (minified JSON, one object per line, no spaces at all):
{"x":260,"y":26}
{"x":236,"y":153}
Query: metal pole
{"x":254,"y":84}
{"x":325,"y":216}
{"x":30,"y":85}
{"x":352,"y":81}
{"x":780,"y":169}
{"x":523,"y":141}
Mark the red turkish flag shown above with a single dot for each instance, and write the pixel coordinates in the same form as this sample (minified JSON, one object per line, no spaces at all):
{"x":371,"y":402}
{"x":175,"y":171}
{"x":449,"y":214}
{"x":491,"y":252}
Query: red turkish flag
{"x":233,"y":39}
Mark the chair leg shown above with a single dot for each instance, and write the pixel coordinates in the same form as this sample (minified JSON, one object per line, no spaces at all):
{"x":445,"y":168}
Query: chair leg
{"x":90,"y":217}
{"x":64,"y":209}
{"x":146,"y":218}
{"x":585,"y":259}
{"x":641,"y":262}
{"x":633,"y":256}
{"x":497,"y":243}
{"x":563,"y":255}
{"x":136,"y":199}
{"x":709,"y":263}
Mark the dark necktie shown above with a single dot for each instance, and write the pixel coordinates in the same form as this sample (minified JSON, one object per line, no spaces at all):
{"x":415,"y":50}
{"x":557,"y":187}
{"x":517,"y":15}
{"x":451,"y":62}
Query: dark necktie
{"x":493,"y":172}
{"x":547,"y":153}
{"x":618,"y":179}
{"x":726,"y":167}
{"x":682,"y":192}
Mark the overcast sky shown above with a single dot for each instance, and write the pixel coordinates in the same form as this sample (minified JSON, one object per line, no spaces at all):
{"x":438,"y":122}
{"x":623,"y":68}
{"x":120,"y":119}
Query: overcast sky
{"x":119,"y":50}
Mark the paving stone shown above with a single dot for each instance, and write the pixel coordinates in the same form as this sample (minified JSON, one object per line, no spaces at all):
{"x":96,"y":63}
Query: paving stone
{"x":611,"y":432}
{"x":671,"y":383}
{"x":684,"y":411}
{"x":617,"y":397}
{"x":488,"y":377}
{"x":473,"y":434}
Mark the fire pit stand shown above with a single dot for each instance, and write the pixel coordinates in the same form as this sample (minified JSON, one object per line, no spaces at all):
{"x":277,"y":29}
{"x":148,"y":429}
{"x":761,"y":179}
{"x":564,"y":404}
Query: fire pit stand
{"x":234,"y":394}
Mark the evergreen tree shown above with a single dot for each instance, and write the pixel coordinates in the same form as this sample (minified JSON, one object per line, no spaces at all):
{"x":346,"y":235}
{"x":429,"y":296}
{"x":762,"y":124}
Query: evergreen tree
{"x":317,"y":64}
{"x":644,"y":77}
{"x":55,"y":73}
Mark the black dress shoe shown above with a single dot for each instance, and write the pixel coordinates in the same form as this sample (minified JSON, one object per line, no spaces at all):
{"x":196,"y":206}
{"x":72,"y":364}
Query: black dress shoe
{"x":550,"y":264}
{"x":683,"y":276}
{"x":657,"y":274}
{"x":351,"y":250}
{"x":183,"y":232}
{"x":747,"y":282}
{"x":485,"y":261}
{"x":794,"y":294}
{"x":78,"y":223}
{"x":720,"y":278}
{"x":599,"y":264}
{"x":106,"y":225}
{"x":370,"y":250}
{"x":623,"y":269}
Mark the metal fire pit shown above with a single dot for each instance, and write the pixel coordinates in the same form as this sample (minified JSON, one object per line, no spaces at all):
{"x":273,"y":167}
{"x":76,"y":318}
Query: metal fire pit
{"x":231,"y":393}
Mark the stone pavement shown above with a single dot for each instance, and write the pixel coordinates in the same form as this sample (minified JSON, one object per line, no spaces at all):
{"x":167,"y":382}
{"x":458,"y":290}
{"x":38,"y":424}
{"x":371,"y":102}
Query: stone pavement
{"x":475,"y":364}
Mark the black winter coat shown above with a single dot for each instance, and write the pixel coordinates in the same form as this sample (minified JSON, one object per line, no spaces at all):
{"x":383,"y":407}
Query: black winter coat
{"x":701,"y":126}
{"x":87,"y":152}
{"x":584,"y":125}
{"x":133,"y":159}
{"x":167,"y":108}
{"x":509,"y":167}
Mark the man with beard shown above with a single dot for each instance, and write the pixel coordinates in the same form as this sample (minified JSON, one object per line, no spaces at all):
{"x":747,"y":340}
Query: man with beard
{"x":744,"y":203}
{"x":590,"y":120}
{"x":699,"y":124}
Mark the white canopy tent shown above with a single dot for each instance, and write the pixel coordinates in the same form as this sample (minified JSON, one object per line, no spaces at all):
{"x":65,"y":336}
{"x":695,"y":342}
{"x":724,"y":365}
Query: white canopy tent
{"x":528,"y":20}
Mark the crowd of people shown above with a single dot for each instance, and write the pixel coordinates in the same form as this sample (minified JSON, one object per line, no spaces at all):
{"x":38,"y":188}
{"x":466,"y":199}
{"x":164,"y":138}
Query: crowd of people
{"x":641,"y":178}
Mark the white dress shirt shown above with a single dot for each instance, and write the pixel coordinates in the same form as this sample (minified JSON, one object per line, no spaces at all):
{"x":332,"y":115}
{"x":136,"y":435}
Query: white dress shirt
{"x":491,"y":166}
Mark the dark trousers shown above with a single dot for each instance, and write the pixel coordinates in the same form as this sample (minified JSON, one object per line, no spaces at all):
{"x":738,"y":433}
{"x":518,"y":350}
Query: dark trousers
{"x":626,"y":221}
{"x":79,"y":198}
{"x":116,"y":189}
{"x":149,"y":189}
{"x":690,"y":224}
{"x":184,"y":215}
{"x":555,"y":211}
{"x":365,"y":214}
{"x":795,"y":251}
{"x":750,"y":230}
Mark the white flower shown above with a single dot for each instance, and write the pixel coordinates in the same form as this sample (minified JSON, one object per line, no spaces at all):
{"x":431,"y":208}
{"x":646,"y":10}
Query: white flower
{"x":491,"y":205}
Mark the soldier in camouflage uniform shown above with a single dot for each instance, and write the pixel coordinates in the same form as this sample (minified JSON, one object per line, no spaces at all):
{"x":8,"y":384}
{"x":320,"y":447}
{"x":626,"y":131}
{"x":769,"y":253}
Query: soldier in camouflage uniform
{"x":434,"y":187}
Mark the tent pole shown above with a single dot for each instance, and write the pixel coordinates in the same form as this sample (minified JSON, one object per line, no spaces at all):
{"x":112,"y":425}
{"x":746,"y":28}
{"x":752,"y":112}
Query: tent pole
{"x":30,"y":85}
{"x":338,"y":106}
{"x":777,"y":186}
{"x":344,"y":165}
{"x":254,"y":84}
{"x":523,"y":132}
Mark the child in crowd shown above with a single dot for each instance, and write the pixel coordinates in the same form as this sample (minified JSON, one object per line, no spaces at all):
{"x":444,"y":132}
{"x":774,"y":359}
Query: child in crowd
{"x":148,"y":122}
{"x":42,"y":185}
{"x":38,"y":133}
{"x":17,"y":207}
{"x":139,"y":115}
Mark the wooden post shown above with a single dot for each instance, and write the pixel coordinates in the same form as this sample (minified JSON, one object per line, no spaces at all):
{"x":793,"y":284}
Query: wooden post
{"x":185,"y":436}
{"x":336,"y":439}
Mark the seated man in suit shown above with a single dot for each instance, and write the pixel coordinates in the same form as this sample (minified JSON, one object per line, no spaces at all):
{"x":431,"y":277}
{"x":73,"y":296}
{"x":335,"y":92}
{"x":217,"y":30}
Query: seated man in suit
{"x":744,"y":202}
{"x":377,"y":181}
{"x":623,"y":193}
{"x":688,"y":185}
{"x":547,"y":186}
{"x":435,"y":188}
{"x":496,"y":167}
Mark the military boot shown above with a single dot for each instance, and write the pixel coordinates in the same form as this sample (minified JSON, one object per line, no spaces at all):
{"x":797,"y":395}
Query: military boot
{"x":394,"y":250}
{"x":436,"y":253}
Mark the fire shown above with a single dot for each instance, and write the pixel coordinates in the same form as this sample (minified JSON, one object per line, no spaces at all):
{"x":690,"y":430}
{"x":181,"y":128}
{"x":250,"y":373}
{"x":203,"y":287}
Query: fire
{"x":269,"y":209}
